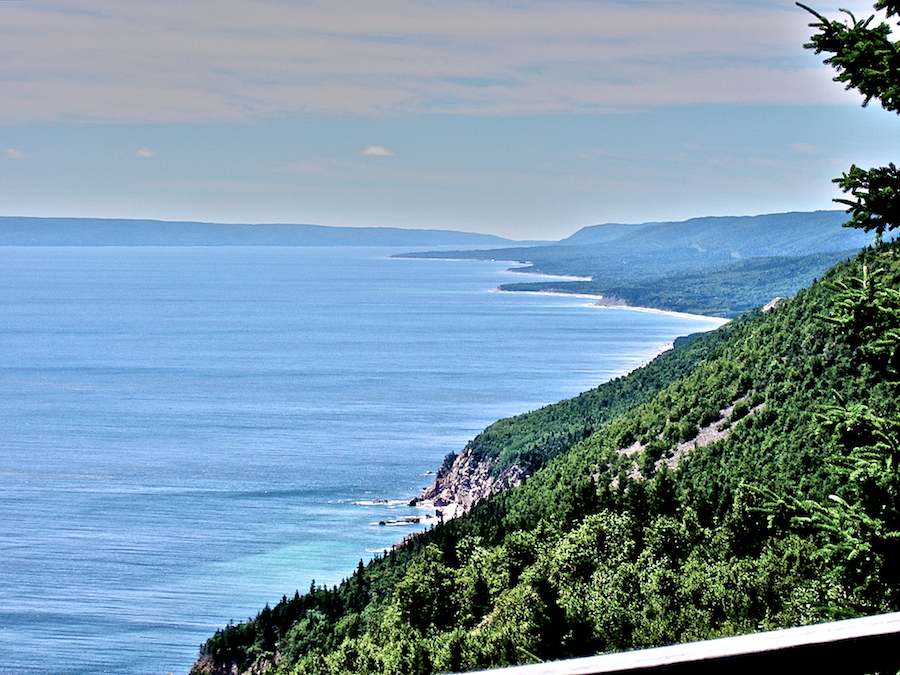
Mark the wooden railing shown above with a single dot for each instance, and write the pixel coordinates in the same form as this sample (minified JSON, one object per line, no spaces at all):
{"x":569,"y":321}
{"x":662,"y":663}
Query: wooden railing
{"x":855,"y":646}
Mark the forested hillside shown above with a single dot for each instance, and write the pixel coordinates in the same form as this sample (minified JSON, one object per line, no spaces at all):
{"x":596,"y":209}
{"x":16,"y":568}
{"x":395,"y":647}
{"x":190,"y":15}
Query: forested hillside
{"x":744,"y":481}
{"x":727,"y":290}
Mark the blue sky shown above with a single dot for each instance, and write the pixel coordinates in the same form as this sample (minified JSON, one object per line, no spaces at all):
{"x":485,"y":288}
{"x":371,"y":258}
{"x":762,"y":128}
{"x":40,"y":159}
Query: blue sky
{"x":528,"y":119}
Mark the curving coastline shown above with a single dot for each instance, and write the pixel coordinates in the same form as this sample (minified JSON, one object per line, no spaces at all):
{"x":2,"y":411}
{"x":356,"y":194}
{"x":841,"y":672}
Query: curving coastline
{"x":612,"y":302}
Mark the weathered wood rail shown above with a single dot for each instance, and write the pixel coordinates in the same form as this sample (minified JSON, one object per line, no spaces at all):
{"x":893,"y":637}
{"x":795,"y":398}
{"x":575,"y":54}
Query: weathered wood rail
{"x":855,"y":646}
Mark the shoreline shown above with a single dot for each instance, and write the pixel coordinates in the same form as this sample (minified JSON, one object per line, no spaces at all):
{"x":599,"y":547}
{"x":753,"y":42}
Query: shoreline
{"x":544,"y":275}
{"x":600,"y":301}
{"x":605,"y":303}
{"x":446,"y":511}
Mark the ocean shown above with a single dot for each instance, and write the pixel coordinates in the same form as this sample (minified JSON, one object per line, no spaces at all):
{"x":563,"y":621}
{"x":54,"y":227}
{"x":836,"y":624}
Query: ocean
{"x":187,"y":434}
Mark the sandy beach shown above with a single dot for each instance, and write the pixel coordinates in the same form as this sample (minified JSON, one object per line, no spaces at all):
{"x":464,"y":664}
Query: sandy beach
{"x":608,"y":303}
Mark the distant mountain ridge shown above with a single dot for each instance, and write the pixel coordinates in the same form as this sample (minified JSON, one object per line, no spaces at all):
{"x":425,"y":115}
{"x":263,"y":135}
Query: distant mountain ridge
{"x":599,"y":234}
{"x":622,"y":252}
{"x":717,"y":265}
{"x":823,"y":230}
{"x":28,"y":231}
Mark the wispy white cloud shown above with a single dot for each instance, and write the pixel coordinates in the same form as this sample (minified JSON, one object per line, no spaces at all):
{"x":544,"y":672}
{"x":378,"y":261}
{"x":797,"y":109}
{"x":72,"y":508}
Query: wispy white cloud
{"x":15,"y":154}
{"x":377,"y":151}
{"x":322,"y":167}
{"x":145,"y":152}
{"x":222,"y":186}
{"x":804,"y":148}
{"x":233,"y":59}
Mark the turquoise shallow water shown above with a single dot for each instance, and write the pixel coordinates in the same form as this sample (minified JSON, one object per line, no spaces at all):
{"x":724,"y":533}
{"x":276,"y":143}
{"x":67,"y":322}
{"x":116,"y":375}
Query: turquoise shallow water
{"x":184,"y":431}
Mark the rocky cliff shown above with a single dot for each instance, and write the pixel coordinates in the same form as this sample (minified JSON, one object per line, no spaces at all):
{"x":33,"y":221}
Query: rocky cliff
{"x":466,"y":481}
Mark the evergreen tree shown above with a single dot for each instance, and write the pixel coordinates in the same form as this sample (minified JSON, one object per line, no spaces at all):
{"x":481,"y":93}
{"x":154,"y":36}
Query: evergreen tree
{"x":867,"y":60}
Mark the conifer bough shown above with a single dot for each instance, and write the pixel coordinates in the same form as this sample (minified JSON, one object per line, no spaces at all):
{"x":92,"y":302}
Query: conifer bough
{"x":867,"y":60}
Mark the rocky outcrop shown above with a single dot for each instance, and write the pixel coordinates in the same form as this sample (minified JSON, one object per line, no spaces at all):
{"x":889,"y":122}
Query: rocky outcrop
{"x":458,"y":486}
{"x":466,"y":482}
{"x":207,"y":665}
{"x":717,"y":430}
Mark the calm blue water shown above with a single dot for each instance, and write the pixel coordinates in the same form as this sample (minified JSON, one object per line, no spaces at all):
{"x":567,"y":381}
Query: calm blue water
{"x":184,"y":431}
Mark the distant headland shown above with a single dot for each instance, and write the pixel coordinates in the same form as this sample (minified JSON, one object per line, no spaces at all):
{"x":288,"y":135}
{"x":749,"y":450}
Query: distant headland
{"x":716,"y":266}
{"x":29,"y":231}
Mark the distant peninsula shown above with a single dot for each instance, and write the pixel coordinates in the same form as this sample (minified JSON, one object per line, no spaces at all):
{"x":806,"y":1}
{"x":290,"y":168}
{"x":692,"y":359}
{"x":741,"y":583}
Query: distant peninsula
{"x":717,"y":266}
{"x":29,"y":231}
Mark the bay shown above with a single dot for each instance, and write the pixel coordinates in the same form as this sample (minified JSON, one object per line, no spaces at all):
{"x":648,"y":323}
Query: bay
{"x":185,"y":432}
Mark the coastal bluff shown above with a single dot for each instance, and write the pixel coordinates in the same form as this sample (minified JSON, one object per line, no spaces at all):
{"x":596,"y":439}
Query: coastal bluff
{"x":465,"y":481}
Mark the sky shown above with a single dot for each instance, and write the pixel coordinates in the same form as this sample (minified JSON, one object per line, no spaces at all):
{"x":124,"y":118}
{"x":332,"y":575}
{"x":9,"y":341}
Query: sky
{"x":524,"y":118}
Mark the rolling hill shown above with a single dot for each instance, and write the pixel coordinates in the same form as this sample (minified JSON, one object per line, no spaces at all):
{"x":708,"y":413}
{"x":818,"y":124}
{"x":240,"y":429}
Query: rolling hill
{"x":720,"y":266}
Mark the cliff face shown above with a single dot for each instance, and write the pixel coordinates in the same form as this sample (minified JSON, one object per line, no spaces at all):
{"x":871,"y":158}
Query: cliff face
{"x":466,"y":482}
{"x":207,"y":665}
